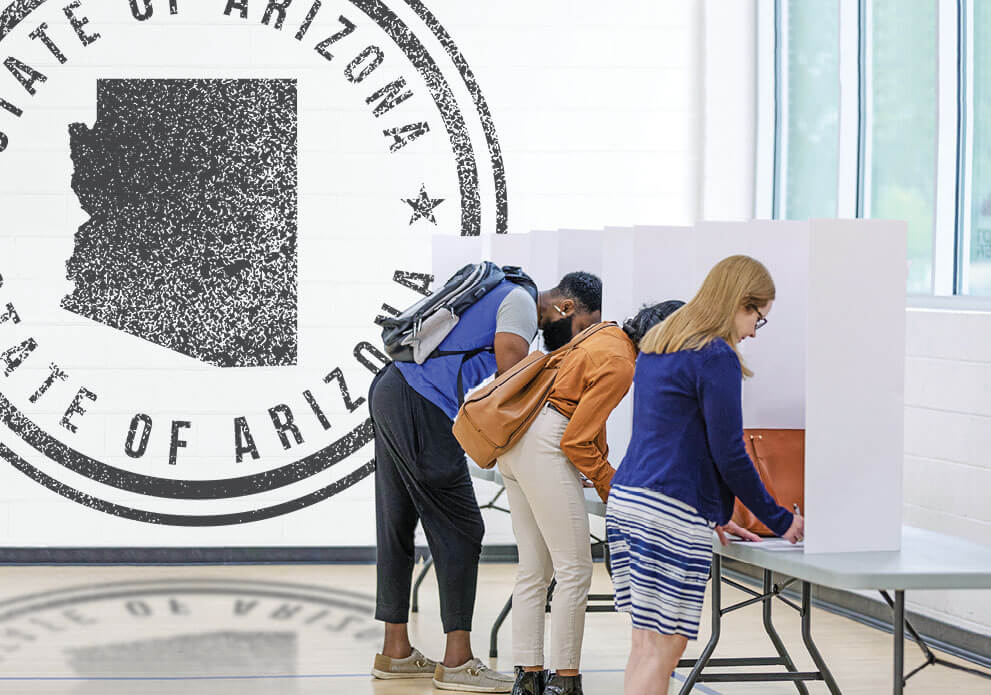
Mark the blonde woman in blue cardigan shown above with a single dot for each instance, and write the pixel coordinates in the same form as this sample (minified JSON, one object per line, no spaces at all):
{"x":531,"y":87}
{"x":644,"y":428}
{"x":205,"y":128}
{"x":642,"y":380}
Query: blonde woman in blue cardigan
{"x":685,"y":465}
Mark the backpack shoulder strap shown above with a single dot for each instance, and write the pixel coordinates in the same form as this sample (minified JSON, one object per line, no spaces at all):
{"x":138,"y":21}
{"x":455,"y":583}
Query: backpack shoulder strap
{"x":467,"y":355}
{"x":516,"y":276}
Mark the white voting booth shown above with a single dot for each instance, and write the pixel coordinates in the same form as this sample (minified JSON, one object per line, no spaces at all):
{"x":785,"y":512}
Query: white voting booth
{"x":642,"y":265}
{"x":556,"y":252}
{"x":509,"y":249}
{"x":830,"y":360}
{"x":449,"y":253}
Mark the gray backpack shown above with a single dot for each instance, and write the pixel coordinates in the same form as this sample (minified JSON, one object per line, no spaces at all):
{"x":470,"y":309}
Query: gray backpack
{"x":415,"y":334}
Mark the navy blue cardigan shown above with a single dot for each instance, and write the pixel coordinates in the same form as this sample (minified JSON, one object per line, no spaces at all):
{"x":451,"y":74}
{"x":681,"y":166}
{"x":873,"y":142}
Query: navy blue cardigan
{"x":687,"y":438}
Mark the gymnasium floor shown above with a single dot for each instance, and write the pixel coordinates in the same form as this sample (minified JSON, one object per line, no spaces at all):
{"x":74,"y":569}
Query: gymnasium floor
{"x":308,"y":629}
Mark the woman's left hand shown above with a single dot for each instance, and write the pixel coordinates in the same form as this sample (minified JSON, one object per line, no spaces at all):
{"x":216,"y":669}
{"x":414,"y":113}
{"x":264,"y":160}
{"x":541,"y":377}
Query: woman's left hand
{"x":736,"y":530}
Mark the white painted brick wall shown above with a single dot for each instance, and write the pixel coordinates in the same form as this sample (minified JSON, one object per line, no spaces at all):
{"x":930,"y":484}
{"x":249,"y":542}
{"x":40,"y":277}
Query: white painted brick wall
{"x":598,"y":113}
{"x":948,"y":444}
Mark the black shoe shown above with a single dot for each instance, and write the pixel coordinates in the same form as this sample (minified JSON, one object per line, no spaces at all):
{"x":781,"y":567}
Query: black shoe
{"x":529,"y":682}
{"x":564,"y":685}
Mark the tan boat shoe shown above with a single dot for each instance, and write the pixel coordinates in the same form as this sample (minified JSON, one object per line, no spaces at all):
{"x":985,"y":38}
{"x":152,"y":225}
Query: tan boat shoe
{"x":472,"y":677}
{"x":416,"y":665}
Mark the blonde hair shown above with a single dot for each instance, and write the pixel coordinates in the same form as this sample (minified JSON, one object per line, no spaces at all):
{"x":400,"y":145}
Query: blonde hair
{"x":734,"y":283}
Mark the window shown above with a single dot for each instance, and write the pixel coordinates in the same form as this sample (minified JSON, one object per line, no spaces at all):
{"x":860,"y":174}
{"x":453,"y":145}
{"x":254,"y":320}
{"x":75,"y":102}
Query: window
{"x":813,"y":109}
{"x":902,"y":120}
{"x":882,"y":109}
{"x":976,"y":249}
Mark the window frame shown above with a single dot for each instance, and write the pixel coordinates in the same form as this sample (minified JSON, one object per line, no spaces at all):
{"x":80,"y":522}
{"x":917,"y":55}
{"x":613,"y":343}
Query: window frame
{"x":954,"y":156}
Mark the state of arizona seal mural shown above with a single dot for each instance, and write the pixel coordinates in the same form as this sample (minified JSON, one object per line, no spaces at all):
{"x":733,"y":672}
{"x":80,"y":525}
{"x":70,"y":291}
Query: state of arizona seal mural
{"x":204,"y":206}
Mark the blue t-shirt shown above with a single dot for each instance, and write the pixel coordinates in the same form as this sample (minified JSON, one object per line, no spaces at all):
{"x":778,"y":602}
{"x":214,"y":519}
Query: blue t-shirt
{"x":687,"y":438}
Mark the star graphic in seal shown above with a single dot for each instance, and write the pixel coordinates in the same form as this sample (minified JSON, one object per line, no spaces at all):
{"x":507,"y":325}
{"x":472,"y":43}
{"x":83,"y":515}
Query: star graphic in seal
{"x":423,"y":206}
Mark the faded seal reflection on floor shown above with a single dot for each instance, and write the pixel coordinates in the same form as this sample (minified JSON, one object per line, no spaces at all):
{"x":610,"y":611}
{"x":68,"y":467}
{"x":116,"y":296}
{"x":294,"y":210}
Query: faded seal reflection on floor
{"x":297,"y":630}
{"x":189,"y":630}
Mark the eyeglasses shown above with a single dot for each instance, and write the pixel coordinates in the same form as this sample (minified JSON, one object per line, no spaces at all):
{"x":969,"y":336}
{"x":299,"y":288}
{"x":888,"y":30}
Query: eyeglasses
{"x":761,"y":320}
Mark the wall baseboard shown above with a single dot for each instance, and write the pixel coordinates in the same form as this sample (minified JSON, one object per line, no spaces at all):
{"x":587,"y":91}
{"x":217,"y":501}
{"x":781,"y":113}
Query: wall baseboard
{"x":213,"y":556}
{"x":330,"y":555}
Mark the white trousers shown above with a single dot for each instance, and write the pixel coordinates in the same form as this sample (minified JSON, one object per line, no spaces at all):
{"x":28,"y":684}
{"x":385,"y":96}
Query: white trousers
{"x":547,"y":504}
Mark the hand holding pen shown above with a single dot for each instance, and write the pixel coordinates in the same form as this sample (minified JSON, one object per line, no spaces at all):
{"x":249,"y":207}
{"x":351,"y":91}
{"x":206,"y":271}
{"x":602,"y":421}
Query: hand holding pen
{"x":796,"y":532}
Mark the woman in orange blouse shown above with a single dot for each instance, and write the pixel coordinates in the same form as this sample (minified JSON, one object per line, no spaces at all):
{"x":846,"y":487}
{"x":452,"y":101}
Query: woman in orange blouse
{"x":543,"y":475}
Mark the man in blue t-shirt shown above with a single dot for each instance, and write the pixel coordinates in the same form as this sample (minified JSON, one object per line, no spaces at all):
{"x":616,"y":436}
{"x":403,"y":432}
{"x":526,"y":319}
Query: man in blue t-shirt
{"x":422,"y":475}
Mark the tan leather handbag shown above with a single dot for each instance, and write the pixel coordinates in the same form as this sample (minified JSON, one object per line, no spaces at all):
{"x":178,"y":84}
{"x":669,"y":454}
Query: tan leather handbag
{"x":496,"y":416}
{"x":779,"y":456}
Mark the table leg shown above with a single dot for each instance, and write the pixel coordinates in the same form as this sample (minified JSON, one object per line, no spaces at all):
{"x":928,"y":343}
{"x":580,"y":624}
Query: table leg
{"x":494,"y":637}
{"x":927,"y":652}
{"x":811,"y":645}
{"x":419,"y":580}
{"x":607,"y":558}
{"x":773,"y":634}
{"x":898,"y":633}
{"x":710,"y":647}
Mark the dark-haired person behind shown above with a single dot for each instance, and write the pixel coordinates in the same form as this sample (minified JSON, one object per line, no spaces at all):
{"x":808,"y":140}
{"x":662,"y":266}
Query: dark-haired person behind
{"x":543,"y":480}
{"x":649,"y":316}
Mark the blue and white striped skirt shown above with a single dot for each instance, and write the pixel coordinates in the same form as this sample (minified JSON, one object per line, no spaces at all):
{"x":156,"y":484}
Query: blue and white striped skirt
{"x":661,"y":551}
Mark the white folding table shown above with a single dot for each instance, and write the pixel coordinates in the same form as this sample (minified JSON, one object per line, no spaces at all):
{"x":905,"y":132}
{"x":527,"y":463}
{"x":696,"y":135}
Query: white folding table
{"x":926,"y":561}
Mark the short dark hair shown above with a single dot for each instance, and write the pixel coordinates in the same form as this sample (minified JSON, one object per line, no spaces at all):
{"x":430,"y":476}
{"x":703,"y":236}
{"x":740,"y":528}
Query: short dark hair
{"x":583,"y":288}
{"x":648,"y":317}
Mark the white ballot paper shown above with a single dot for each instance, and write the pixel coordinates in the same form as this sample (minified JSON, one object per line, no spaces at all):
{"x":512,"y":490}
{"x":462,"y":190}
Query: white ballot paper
{"x":772,"y":544}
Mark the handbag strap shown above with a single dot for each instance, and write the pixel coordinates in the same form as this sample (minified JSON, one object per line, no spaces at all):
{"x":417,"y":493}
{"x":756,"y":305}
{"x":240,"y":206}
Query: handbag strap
{"x":566,"y":350}
{"x":562,"y":352}
{"x":578,"y":339}
{"x":762,"y":471}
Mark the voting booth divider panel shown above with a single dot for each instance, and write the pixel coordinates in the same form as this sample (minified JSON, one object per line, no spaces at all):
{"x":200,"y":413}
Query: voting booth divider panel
{"x":642,"y":265}
{"x":830,"y":359}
